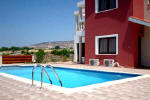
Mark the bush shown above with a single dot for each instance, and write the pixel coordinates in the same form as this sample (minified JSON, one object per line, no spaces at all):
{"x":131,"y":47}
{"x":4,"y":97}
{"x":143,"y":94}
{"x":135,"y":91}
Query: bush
{"x":40,"y":56}
{"x":71,"y":51}
{"x":4,"y":49}
{"x":63,"y":52}
{"x":54,"y":60}
{"x":64,"y":59}
{"x":26,"y":52}
{"x":57,"y":47}
{"x":13,"y":48}
{"x":5,"y":54}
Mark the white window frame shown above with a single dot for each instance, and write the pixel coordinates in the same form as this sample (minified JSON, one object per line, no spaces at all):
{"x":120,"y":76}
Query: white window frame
{"x":105,"y":36}
{"x":96,"y":7}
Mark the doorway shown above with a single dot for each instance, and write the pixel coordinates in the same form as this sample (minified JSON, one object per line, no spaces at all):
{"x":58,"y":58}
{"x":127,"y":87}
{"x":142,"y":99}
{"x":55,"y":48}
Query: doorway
{"x":145,"y":48}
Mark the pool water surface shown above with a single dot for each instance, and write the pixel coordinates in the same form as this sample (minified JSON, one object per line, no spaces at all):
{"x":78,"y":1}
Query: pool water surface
{"x":71,"y":78}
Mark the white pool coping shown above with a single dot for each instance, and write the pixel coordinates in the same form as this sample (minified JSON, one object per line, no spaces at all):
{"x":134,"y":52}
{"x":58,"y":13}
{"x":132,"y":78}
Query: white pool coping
{"x":88,"y":88}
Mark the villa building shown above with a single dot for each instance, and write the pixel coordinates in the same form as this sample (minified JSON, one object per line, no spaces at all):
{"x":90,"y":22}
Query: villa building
{"x":79,"y":38}
{"x":115,"y":29}
{"x":119,"y":30}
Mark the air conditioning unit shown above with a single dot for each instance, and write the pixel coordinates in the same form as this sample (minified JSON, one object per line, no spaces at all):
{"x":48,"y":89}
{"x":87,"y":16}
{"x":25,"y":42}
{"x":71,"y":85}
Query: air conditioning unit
{"x":108,"y":62}
{"x":94,"y":62}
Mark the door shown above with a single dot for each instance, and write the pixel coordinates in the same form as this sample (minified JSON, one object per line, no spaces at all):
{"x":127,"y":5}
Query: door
{"x":145,"y":48}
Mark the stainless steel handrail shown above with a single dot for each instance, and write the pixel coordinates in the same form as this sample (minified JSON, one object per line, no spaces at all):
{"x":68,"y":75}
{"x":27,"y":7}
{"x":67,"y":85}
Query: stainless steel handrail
{"x":43,"y":70}
{"x":56,"y":74}
{"x":33,"y":74}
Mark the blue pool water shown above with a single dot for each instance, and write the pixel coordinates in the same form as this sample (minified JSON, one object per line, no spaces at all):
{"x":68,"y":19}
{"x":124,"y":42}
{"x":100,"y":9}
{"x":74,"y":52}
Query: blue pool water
{"x":70,"y":78}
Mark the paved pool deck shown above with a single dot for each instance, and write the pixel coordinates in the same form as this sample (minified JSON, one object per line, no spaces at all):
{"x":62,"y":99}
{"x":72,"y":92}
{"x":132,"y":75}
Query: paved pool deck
{"x":11,"y":89}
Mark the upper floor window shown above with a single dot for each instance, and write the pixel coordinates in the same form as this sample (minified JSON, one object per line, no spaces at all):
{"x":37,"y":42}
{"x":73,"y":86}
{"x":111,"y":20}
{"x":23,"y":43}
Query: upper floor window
{"x":105,"y":5}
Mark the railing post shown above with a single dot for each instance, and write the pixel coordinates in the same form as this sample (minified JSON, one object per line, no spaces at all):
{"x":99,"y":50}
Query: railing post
{"x":32,"y":76}
{"x":42,"y":77}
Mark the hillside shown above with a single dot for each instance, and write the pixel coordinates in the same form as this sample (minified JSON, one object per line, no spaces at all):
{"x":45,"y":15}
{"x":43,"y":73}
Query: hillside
{"x":61,"y":44}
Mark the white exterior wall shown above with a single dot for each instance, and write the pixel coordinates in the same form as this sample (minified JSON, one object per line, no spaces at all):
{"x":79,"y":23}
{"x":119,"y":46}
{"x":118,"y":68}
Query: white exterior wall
{"x":75,"y":49}
{"x":146,"y":10}
{"x":145,"y":48}
{"x":0,"y":59}
{"x":79,"y":20}
{"x":77,"y":40}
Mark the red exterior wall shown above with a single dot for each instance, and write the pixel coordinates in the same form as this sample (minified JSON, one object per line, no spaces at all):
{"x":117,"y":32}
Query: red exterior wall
{"x":114,"y":22}
{"x":138,"y":8}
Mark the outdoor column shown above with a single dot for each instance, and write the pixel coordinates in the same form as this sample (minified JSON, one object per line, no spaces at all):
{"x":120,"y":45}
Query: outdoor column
{"x":33,"y":59}
{"x":75,"y":50}
{"x":0,"y":60}
{"x":80,"y":49}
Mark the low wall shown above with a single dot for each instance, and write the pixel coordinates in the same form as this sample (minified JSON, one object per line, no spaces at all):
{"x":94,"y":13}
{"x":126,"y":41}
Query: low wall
{"x":10,"y":59}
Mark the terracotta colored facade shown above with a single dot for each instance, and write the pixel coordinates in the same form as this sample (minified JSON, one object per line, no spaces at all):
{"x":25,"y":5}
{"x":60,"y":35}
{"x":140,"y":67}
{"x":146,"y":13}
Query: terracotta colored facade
{"x":115,"y":22}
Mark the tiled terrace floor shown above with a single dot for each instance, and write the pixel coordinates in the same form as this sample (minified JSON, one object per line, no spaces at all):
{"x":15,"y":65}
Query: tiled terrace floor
{"x":133,"y":90}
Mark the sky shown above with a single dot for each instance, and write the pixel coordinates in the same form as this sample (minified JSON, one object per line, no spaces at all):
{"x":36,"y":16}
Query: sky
{"x":26,"y":22}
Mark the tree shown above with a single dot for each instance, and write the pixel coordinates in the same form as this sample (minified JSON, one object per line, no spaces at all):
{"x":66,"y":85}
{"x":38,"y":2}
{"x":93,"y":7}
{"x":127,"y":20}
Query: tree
{"x":63,"y":52}
{"x":4,"y":49}
{"x":40,"y":56}
{"x":26,"y":48}
{"x":14,"y":48}
{"x":57,"y":47}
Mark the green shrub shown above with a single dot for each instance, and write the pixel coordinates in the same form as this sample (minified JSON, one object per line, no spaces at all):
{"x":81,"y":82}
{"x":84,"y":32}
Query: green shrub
{"x":64,"y":59}
{"x":4,"y":49}
{"x":13,"y":48}
{"x":63,"y":52}
{"x":57,"y":47}
{"x":26,"y":52}
{"x":54,"y":60}
{"x":40,"y":56}
{"x":5,"y":54}
{"x":71,"y":51}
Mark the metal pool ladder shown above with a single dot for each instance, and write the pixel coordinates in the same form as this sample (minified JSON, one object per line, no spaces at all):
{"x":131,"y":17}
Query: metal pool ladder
{"x":43,"y":70}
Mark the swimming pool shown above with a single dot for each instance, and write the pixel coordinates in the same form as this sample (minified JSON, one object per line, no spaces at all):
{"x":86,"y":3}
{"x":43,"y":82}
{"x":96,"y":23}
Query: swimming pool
{"x":71,"y":78}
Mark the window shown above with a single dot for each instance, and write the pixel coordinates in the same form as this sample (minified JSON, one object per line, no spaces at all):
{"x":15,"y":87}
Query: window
{"x":148,"y":1}
{"x":103,"y":5}
{"x":107,"y":44}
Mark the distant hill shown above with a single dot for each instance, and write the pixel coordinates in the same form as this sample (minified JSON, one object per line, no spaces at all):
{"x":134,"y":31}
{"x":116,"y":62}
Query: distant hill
{"x":61,"y":44}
